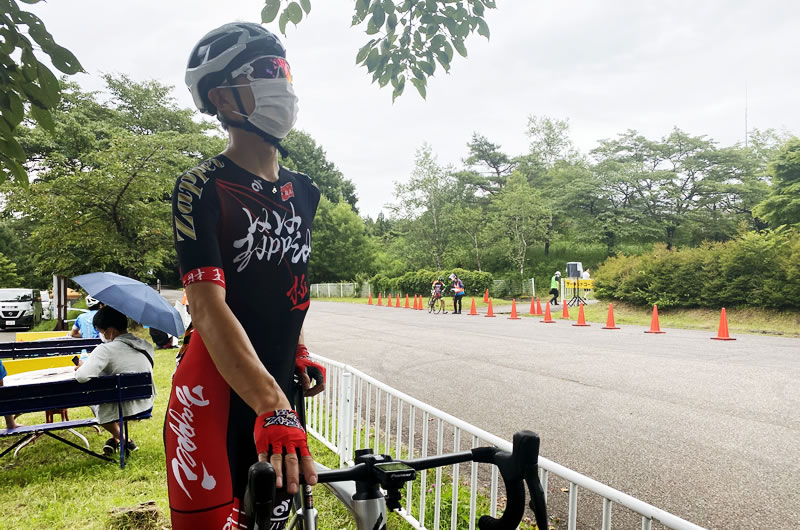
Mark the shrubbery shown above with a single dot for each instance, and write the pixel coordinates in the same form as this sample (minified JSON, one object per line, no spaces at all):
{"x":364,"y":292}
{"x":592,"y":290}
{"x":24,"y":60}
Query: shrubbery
{"x":419,"y":282}
{"x":757,"y":269}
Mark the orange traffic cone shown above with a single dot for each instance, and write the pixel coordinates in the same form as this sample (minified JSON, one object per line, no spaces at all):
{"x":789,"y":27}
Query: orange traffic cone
{"x":581,"y":318}
{"x":416,"y":301}
{"x":533,"y":306}
{"x":398,"y":300}
{"x":486,"y":297}
{"x":722,"y":333}
{"x":547,"y":318}
{"x":513,"y":310}
{"x":184,"y":301}
{"x":538,"y":307}
{"x":389,"y":300}
{"x":490,"y":313}
{"x":654,"y":326}
{"x":370,"y":299}
{"x":564,"y":310}
{"x":407,"y":306}
{"x":421,"y":303}
{"x":473,"y":311}
{"x":610,"y":320}
{"x":379,"y":299}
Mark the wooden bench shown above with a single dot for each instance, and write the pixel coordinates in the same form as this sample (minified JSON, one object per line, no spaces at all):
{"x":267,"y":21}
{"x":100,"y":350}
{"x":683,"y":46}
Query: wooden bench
{"x":68,"y":394}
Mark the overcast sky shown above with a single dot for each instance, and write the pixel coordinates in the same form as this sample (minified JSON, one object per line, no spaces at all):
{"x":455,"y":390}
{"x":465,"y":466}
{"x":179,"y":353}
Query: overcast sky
{"x":607,"y":66}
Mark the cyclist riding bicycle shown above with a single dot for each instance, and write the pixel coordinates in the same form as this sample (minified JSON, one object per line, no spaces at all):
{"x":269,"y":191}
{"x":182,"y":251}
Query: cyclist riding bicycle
{"x":242,"y":230}
{"x":437,"y":292}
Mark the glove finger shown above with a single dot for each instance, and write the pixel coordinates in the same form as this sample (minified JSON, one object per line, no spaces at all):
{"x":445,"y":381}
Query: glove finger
{"x":304,"y":450}
{"x":316,"y":374}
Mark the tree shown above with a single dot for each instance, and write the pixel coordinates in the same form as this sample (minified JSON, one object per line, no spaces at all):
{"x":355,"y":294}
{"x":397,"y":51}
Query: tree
{"x":8,"y":272}
{"x":411,"y":36}
{"x":101,"y":199}
{"x":309,"y":158}
{"x":485,"y":154}
{"x":27,"y":83}
{"x":341,"y":246}
{"x":423,"y":204}
{"x":782,"y":206}
{"x":519,"y":219}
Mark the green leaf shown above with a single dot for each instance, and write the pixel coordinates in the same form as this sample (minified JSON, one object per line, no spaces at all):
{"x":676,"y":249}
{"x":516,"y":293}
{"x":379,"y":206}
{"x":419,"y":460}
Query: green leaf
{"x":388,"y":6}
{"x":373,"y":59}
{"x":43,"y":118}
{"x":64,"y":60}
{"x":282,"y":21}
{"x":372,"y":29}
{"x":483,"y":28}
{"x":13,"y":109}
{"x":51,"y":88}
{"x":458,"y":44}
{"x":362,"y":53}
{"x":17,"y":171}
{"x":11,"y":148}
{"x":391,"y":22}
{"x":30,"y":1}
{"x":420,"y":85}
{"x":378,"y":15}
{"x":386,"y":76}
{"x":270,"y":10}
{"x":427,"y":67}
{"x":295,"y":13}
{"x":306,"y":4}
{"x":362,"y":8}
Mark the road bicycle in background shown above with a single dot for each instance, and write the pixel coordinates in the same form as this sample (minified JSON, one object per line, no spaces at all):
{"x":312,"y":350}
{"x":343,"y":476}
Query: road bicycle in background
{"x":436,"y":303}
{"x":375,"y":481}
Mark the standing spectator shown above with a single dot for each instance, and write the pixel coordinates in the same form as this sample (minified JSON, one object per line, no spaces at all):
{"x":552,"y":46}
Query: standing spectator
{"x":458,"y":293}
{"x":585,"y":275}
{"x":554,"y":285}
{"x":83,"y":328}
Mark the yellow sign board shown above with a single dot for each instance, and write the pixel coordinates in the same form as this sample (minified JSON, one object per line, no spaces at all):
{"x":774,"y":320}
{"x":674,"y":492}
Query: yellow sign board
{"x":572,"y":283}
{"x":27,"y":336}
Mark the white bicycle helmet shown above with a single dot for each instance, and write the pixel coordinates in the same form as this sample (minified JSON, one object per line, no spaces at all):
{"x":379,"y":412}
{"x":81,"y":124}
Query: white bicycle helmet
{"x":91,"y":301}
{"x":223,"y":50}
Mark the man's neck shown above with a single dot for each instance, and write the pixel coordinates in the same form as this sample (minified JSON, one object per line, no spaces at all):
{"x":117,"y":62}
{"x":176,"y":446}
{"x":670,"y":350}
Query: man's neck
{"x":250,"y":152}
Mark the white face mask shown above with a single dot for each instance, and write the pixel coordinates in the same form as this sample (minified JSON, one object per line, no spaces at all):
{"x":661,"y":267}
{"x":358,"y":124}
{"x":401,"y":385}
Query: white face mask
{"x":103,"y":338}
{"x":276,"y":106}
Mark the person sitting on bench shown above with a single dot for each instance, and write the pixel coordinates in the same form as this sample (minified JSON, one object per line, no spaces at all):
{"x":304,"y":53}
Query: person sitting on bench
{"x":11,"y":423}
{"x":121,"y":353}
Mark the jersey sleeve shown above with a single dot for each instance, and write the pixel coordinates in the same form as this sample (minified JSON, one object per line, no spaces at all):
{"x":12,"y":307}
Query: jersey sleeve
{"x":195,"y":217}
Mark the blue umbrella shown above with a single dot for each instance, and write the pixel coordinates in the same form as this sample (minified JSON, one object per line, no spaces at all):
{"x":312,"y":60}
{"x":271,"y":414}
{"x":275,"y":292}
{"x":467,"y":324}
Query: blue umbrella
{"x":134,"y":299}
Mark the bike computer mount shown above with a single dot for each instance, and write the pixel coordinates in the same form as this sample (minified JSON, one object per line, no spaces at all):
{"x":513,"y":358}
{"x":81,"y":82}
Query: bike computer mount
{"x":389,"y":474}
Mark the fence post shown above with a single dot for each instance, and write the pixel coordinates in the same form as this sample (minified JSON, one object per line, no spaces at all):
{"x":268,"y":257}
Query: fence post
{"x":341,"y":290}
{"x":345,"y":412}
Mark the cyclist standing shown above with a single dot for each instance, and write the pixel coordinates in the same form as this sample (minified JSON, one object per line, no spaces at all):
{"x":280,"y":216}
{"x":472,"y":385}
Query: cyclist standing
{"x":437,"y":290}
{"x":242,"y":228}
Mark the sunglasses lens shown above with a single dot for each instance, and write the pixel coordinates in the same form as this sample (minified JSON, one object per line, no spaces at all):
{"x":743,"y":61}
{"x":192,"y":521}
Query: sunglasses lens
{"x":270,"y":68}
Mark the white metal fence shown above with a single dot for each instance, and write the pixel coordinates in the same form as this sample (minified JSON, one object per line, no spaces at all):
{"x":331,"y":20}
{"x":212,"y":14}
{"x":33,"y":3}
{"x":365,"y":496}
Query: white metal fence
{"x":340,"y":290}
{"x":358,"y":411}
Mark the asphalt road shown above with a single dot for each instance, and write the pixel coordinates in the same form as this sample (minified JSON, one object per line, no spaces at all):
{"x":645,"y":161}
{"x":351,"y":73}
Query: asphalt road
{"x":707,"y":430}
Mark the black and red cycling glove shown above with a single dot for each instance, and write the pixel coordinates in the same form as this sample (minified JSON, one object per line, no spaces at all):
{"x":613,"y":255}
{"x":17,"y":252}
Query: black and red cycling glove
{"x":303,"y":363}
{"x":279,"y":431}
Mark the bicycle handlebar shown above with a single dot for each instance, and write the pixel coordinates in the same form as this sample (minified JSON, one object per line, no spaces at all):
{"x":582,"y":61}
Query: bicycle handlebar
{"x":517,"y":468}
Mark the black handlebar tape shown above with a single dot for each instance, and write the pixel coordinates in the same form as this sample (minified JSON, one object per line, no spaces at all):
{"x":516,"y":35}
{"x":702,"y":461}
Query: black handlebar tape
{"x":514,"y":468}
{"x":259,"y":496}
{"x":529,"y":443}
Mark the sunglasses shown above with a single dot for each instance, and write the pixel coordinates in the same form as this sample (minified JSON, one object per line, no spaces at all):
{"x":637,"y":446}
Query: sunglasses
{"x":266,"y":67}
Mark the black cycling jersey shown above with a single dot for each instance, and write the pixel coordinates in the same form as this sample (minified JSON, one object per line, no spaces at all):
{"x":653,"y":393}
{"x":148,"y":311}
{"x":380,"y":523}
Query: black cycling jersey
{"x":253,"y":237}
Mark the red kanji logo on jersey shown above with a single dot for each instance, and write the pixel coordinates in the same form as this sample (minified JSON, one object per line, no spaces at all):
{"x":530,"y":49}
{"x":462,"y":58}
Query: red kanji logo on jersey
{"x":287,"y":192}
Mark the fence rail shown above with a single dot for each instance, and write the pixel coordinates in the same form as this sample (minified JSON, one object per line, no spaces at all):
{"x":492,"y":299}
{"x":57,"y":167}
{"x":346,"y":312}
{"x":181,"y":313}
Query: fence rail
{"x":358,"y":411}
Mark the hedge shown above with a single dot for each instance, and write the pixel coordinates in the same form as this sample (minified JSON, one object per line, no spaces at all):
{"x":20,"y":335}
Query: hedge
{"x":759,"y":269}
{"x":419,"y":282}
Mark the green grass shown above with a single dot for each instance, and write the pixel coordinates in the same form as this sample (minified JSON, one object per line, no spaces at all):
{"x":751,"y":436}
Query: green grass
{"x":51,"y":485}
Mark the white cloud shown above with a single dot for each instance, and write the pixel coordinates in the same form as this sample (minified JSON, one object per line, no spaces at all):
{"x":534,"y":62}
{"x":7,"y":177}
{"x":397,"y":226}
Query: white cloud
{"x":607,"y":66}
